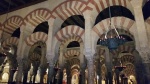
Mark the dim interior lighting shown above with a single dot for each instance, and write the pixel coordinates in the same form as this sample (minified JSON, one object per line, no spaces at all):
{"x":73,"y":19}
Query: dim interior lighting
{"x":120,"y":68}
{"x":2,"y":50}
{"x":112,"y":38}
{"x":10,"y":50}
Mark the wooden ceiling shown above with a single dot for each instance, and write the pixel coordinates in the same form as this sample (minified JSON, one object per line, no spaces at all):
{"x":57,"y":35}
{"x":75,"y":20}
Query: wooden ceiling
{"x":12,"y":5}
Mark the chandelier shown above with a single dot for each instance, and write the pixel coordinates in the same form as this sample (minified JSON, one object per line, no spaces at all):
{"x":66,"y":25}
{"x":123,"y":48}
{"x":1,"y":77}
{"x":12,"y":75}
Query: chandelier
{"x":112,"y":39}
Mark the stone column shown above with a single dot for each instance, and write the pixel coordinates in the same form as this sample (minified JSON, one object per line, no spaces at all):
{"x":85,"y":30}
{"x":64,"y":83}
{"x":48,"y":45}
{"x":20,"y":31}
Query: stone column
{"x":82,"y":66}
{"x":50,"y":72}
{"x":13,"y":66}
{"x":68,"y":71}
{"x":61,"y":65}
{"x":60,"y":77}
{"x":98,"y":71}
{"x":25,"y":76}
{"x":108,"y":62}
{"x":50,"y":54}
{"x":35,"y":68}
{"x":145,"y":53}
{"x":140,"y":24}
{"x":142,"y":36}
{"x":24,"y":32}
{"x":26,"y":66}
{"x":42,"y":73}
{"x":82,"y":74}
{"x":19,"y":73}
{"x":88,"y":52}
{"x":90,"y":66}
{"x":12,"y":70}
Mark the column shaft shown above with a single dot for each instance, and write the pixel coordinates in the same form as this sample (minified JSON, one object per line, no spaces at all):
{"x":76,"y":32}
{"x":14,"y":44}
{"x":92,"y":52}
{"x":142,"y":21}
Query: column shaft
{"x":50,"y":74}
{"x":11,"y":74}
{"x":60,"y":78}
{"x":25,"y":77}
{"x":91,"y":71}
{"x":19,"y":74}
{"x":42,"y":73}
{"x":68,"y":76}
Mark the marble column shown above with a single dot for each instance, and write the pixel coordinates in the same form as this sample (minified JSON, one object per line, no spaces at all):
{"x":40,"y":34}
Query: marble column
{"x":50,"y":73}
{"x":50,"y":51}
{"x":60,"y":77}
{"x":35,"y":69}
{"x":90,"y":66}
{"x":68,"y":71}
{"x":82,"y":74}
{"x":108,"y":62}
{"x":98,"y":71}
{"x":20,"y":71}
{"x":26,"y":66}
{"x":11,"y":74}
{"x":82,"y":66}
{"x":88,"y":52}
{"x":142,"y":36}
{"x":140,"y":23}
{"x":25,"y":76}
{"x":146,"y":62}
{"x":42,"y":73}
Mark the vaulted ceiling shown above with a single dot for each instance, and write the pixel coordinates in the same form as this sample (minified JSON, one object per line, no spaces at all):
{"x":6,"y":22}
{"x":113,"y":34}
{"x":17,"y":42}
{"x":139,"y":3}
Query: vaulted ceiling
{"x":11,"y":5}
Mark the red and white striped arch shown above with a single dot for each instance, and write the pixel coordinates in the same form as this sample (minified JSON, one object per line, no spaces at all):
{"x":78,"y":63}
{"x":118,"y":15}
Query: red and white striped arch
{"x":37,"y":16}
{"x":35,"y":37}
{"x":69,"y":8}
{"x":71,"y":53}
{"x":119,"y":22}
{"x":11,"y":41}
{"x":69,"y":31}
{"x":73,"y":38}
{"x":12,"y":24}
{"x":100,"y":5}
{"x":122,"y":48}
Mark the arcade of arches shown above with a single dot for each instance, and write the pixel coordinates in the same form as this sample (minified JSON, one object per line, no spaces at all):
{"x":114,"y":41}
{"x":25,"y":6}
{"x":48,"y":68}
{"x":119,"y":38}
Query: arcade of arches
{"x":57,"y":42}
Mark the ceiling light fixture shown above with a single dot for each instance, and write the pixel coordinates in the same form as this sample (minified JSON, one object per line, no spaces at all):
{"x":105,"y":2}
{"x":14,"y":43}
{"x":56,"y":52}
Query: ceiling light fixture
{"x":112,"y":39}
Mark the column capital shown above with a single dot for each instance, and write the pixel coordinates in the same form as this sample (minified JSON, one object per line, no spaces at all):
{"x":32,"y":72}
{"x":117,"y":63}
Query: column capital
{"x":49,"y":56}
{"x":136,"y":3}
{"x":88,"y":52}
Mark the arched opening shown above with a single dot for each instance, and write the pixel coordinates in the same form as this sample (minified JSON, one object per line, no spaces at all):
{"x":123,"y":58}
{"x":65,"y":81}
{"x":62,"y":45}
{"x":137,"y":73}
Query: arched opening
{"x":74,"y":20}
{"x":42,"y":27}
{"x":73,"y":44}
{"x":117,"y":11}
